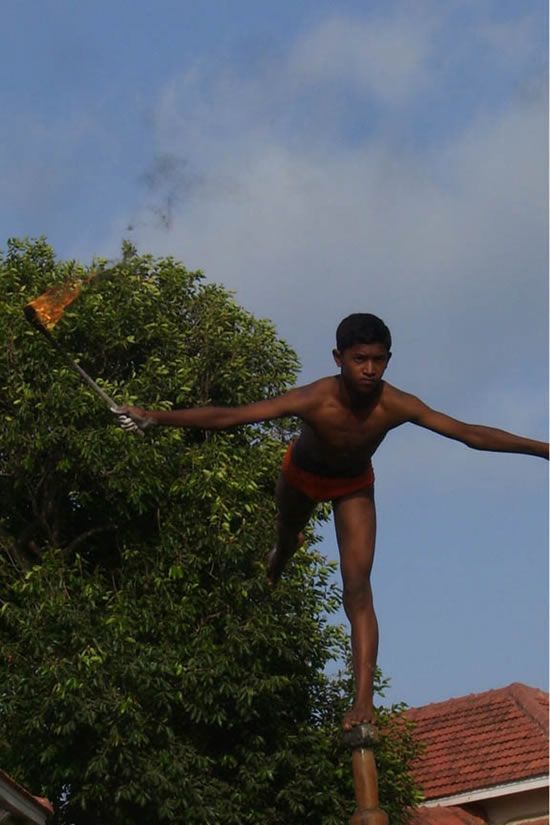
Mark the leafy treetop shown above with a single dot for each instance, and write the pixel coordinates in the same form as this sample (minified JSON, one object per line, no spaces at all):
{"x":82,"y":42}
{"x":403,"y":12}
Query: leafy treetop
{"x":148,"y":672}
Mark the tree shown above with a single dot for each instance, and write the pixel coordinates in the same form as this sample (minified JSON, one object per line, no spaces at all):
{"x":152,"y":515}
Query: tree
{"x":148,"y":673}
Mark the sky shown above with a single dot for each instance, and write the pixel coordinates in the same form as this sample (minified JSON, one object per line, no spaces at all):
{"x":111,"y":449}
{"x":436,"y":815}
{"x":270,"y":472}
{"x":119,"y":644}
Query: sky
{"x":321,"y":158}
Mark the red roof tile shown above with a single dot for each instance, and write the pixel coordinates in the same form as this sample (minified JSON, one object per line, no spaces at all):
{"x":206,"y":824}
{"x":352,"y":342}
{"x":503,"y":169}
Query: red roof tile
{"x":39,"y":801}
{"x":444,"y":816}
{"x":482,"y":740}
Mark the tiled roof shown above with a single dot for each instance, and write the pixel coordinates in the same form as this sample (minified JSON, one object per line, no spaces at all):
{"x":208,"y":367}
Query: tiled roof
{"x":444,"y":816}
{"x":39,"y":801}
{"x":481,"y":740}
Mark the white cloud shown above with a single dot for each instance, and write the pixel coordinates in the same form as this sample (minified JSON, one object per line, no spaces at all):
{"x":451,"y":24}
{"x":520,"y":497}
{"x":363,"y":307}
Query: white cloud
{"x":384,"y":57}
{"x":445,"y":240}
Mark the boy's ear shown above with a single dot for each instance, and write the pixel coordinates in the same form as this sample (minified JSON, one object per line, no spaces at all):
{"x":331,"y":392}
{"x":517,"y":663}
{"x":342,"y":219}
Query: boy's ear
{"x":337,"y":355}
{"x":389,"y":358}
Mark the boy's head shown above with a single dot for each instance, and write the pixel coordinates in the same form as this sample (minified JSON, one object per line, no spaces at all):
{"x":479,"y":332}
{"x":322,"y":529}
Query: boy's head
{"x":362,"y":328}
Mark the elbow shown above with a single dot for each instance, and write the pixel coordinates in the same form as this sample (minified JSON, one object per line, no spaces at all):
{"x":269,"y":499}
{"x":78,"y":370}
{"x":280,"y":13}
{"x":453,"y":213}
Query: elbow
{"x":473,"y":439}
{"x":473,"y":444}
{"x":486,"y":439}
{"x":225,"y":421}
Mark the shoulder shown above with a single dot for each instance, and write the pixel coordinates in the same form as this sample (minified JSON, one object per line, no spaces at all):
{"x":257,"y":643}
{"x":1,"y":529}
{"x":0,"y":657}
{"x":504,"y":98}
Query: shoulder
{"x":404,"y":405}
{"x":326,"y":386}
{"x":300,"y":400}
{"x":317,"y":391}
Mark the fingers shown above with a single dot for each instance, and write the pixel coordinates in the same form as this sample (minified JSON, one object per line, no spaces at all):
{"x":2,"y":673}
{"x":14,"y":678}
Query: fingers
{"x":127,"y":423}
{"x":124,"y":420}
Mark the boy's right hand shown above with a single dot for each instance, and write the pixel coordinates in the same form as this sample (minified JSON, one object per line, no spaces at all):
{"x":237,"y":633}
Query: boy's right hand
{"x":132,"y":418}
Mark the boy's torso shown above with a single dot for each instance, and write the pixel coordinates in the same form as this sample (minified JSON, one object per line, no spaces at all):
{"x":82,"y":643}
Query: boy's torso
{"x":338,"y":438}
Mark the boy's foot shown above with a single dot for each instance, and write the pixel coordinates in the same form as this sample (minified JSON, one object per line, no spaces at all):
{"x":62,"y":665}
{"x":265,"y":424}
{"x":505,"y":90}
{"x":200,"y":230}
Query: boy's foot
{"x":276,"y":562}
{"x":360,"y":713}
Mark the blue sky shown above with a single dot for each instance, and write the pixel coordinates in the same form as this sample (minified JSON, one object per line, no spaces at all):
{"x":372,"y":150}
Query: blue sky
{"x":321,"y":158}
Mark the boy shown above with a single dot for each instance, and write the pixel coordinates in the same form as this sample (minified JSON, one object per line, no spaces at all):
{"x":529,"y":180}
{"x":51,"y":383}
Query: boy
{"x":345,"y":418}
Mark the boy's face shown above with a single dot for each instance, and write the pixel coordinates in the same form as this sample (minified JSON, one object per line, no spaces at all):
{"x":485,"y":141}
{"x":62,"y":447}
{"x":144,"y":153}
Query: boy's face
{"x":362,"y":366}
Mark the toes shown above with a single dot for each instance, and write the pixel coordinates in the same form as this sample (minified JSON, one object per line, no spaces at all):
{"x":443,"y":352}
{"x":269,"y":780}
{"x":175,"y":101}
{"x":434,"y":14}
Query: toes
{"x":356,"y":717}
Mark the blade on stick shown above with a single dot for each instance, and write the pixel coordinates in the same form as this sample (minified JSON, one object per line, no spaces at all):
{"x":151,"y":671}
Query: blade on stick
{"x":50,"y":306}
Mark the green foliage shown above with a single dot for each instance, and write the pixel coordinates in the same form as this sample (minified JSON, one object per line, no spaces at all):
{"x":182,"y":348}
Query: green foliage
{"x":148,"y":673}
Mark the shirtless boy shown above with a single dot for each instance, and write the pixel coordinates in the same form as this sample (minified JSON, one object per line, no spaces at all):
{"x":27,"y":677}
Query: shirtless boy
{"x":344,"y":419}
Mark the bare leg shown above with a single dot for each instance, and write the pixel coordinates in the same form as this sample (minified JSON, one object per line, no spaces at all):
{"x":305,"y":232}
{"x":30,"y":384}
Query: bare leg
{"x":294,"y":510}
{"x":355,"y":522}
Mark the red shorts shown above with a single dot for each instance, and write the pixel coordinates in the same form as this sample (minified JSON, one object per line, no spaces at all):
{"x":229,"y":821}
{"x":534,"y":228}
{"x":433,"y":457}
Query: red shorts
{"x":323,"y":488}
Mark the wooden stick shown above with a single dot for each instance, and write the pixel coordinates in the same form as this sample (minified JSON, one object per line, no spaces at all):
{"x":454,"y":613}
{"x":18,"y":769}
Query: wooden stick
{"x":361,"y":739}
{"x":32,"y":317}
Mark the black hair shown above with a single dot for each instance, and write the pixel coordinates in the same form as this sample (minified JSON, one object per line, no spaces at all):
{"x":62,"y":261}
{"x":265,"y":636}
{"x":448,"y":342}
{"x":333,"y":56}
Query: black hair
{"x":362,"y":328}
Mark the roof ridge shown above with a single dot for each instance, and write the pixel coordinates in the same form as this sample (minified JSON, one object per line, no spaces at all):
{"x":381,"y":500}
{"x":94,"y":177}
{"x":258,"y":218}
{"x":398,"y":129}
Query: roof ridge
{"x":525,"y":700}
{"x":523,"y":690}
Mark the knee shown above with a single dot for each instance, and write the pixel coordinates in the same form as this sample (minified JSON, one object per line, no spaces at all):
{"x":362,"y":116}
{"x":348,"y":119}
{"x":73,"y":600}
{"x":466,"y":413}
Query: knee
{"x":286,"y":524}
{"x":357,"y":592}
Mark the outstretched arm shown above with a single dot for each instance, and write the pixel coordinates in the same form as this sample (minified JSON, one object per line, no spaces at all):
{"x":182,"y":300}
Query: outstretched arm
{"x":475,"y":436}
{"x":294,"y":402}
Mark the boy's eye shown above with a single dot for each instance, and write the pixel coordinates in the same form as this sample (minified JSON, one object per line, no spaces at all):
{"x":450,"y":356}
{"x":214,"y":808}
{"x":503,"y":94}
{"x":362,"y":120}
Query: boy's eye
{"x":360,"y":359}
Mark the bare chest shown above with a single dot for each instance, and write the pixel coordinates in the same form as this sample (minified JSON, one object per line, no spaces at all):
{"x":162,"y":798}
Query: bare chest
{"x":340,"y":440}
{"x":348,"y":431}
